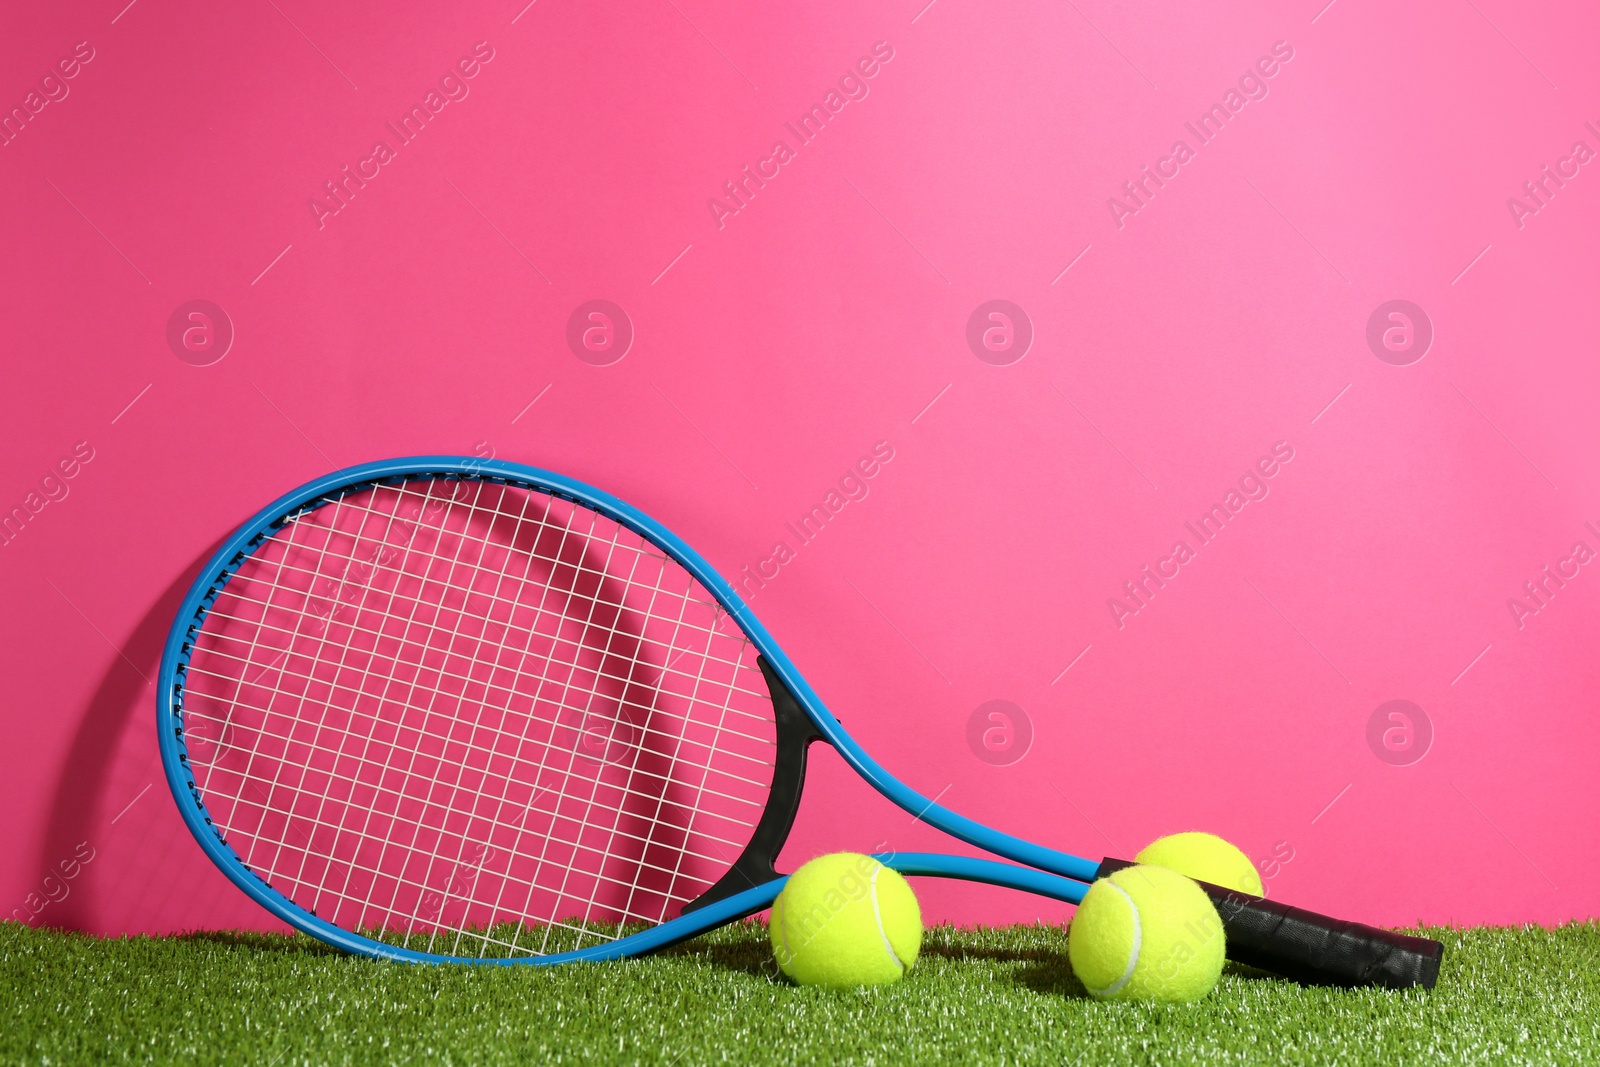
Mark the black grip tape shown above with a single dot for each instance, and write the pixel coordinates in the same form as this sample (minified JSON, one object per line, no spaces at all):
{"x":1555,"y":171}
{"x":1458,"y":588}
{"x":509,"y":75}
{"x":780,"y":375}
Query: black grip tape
{"x":1314,"y":949}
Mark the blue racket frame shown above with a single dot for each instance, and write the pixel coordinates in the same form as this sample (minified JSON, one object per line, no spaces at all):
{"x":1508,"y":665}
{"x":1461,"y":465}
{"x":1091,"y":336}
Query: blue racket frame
{"x":239,"y":547}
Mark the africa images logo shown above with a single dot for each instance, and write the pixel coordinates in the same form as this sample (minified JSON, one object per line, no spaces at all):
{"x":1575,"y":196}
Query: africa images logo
{"x":1537,"y":192}
{"x":852,"y":486}
{"x":852,"y":86}
{"x":999,"y":332}
{"x":53,"y":89}
{"x":1252,"y":86}
{"x":338,"y":192}
{"x":1252,"y":487}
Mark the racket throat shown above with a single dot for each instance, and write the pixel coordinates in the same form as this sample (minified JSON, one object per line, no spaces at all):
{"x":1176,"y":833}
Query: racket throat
{"x":756,"y":864}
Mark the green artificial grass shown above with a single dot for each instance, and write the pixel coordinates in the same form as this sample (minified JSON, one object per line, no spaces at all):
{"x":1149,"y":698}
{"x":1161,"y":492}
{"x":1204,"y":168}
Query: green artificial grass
{"x":1506,"y":995}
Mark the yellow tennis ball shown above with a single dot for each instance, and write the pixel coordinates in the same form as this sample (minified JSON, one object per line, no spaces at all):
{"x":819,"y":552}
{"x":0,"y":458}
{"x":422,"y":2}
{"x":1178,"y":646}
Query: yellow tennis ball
{"x":1205,"y":858}
{"x":846,"y":920}
{"x":1146,"y":933}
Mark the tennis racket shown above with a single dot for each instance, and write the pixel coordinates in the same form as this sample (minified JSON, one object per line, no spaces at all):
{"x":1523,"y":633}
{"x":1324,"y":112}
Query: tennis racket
{"x":452,"y":709}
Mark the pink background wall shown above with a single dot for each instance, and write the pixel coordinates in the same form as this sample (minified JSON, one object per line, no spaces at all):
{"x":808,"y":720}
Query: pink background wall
{"x":1172,"y":348}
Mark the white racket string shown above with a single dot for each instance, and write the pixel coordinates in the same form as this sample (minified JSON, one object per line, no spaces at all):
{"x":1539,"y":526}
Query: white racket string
{"x":287,"y":545}
{"x":403,"y":774}
{"x":387,"y":522}
{"x":594,"y":782}
{"x":443,"y":674}
{"x":643,"y":548}
{"x":589,"y":905}
{"x":424,"y":504}
{"x":486,"y":751}
{"x":288,"y":765}
{"x":760,"y":694}
{"x":665,"y":668}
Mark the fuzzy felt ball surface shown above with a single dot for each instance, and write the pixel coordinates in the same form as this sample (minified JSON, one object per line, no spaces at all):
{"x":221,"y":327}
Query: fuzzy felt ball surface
{"x":1146,"y":933}
{"x":1205,"y":858}
{"x":846,"y":920}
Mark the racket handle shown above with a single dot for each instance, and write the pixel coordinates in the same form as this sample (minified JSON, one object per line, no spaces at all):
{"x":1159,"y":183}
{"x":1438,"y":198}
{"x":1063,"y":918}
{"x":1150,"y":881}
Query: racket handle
{"x":1315,"y":949}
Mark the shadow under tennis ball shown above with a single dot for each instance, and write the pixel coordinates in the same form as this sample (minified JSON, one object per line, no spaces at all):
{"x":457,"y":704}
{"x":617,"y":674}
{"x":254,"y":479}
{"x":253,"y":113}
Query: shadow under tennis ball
{"x":747,"y":952}
{"x":1049,"y":972}
{"x":1042,"y":970}
{"x":123,"y":698}
{"x":1045,"y":971}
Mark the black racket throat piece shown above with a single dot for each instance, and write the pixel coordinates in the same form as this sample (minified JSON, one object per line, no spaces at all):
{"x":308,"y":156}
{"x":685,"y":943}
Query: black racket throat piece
{"x":757,"y":863}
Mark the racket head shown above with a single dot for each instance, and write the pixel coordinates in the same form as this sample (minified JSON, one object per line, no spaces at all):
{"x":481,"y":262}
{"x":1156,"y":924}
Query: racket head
{"x":289,"y":722}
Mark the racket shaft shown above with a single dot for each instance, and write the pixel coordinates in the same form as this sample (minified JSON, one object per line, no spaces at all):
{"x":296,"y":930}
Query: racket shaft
{"x":1005,"y":875}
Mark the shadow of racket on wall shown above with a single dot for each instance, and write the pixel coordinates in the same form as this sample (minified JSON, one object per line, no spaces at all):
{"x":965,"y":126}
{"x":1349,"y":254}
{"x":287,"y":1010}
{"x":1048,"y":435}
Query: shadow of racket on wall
{"x":78,"y":823}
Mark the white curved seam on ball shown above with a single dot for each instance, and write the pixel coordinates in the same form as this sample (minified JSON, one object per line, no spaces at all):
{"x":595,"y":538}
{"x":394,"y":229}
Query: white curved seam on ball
{"x":1133,"y":955}
{"x":877,"y":914}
